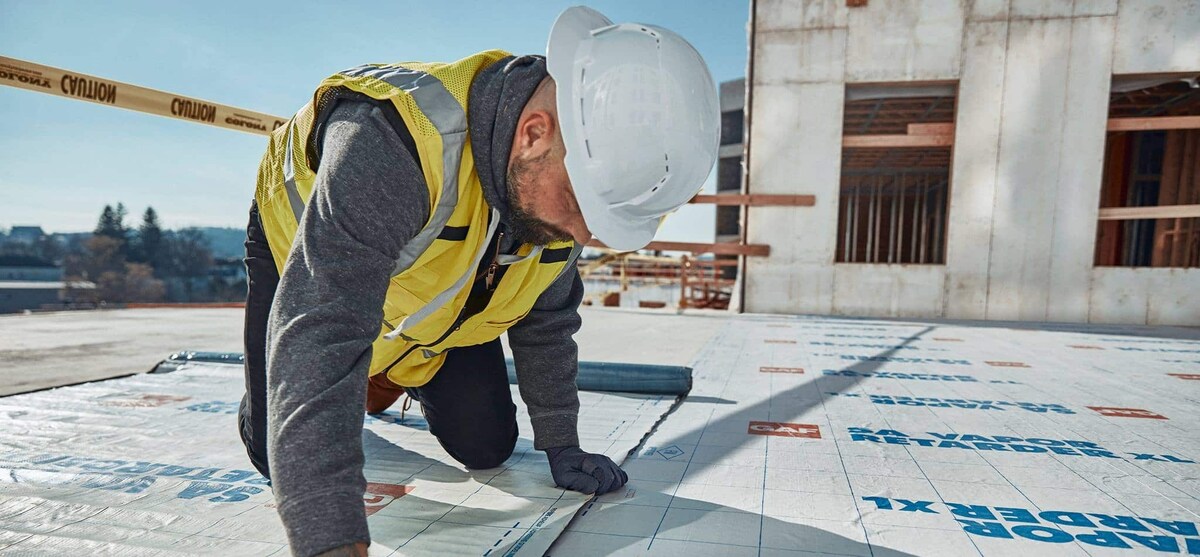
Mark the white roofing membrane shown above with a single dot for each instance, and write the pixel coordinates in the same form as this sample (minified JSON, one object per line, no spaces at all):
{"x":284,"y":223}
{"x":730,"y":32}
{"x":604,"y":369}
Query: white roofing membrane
{"x":152,"y":465}
{"x":802,"y":436}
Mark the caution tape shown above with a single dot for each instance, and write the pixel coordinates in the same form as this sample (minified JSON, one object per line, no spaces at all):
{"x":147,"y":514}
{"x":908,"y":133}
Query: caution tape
{"x":73,"y":85}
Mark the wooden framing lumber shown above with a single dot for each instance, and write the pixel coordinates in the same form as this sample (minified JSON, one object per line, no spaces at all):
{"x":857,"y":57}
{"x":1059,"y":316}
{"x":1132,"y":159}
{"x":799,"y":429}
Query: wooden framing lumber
{"x":1162,"y":212}
{"x":931,"y":129}
{"x":1154,"y":123}
{"x":716,"y":249}
{"x":897,"y":141}
{"x":757,"y":200}
{"x":939,"y":134}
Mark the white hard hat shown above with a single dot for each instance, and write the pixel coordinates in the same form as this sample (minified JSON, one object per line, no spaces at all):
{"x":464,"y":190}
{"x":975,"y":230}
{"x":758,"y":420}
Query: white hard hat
{"x":639,"y":118}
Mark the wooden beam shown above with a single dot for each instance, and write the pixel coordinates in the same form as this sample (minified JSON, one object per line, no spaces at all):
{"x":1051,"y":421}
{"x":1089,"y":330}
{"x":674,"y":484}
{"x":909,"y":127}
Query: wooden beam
{"x":945,"y":128}
{"x":1162,"y":212}
{"x":757,"y":200}
{"x":1174,"y":171}
{"x":1154,"y":123}
{"x":717,"y":249}
{"x":897,"y":141}
{"x":1113,"y":192}
{"x":715,"y":263}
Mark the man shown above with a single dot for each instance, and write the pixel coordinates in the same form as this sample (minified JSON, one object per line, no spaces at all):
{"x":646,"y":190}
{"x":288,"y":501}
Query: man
{"x":412,"y":213}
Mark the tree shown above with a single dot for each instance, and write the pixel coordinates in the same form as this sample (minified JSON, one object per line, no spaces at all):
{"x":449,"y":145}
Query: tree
{"x":140,"y":284}
{"x":110,"y":225}
{"x":122,"y":231}
{"x":75,"y":257}
{"x":189,"y":260}
{"x":188,"y":253}
{"x":150,"y":245}
{"x":134,"y":283}
{"x":103,"y":255}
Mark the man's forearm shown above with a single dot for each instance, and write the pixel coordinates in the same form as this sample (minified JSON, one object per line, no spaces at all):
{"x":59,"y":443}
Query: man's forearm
{"x":369,"y":199}
{"x":325,"y":317}
{"x":547,"y":360}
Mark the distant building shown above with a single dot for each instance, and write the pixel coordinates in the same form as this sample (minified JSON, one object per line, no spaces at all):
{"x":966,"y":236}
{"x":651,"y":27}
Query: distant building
{"x":729,"y":167}
{"x":20,"y":295}
{"x":27,"y":268}
{"x":28,"y":282}
{"x":729,"y":163}
{"x":228,"y":271}
{"x":27,"y":235}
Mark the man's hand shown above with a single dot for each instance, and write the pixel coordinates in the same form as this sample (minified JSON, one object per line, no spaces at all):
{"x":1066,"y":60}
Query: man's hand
{"x":577,"y":470}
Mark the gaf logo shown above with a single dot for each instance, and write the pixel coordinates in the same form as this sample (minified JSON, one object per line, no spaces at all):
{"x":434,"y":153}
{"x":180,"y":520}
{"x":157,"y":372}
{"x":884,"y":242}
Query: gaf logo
{"x":805,"y":431}
{"x":1186,"y":376}
{"x":767,"y":369}
{"x":1126,"y":412}
{"x":379,"y":496}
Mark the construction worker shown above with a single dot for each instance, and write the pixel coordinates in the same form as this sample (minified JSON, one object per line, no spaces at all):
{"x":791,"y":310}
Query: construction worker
{"x":411,"y":213}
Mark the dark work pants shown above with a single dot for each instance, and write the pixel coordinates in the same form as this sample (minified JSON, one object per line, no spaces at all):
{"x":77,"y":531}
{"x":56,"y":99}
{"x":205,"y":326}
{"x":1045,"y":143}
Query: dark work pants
{"x":467,"y":404}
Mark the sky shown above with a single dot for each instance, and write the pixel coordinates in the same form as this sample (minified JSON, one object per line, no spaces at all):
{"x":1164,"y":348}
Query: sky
{"x":62,"y":160}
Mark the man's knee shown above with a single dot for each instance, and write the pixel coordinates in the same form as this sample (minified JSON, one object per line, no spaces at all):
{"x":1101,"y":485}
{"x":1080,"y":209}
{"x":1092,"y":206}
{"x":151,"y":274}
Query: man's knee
{"x":487,"y":457}
{"x":481,"y":453}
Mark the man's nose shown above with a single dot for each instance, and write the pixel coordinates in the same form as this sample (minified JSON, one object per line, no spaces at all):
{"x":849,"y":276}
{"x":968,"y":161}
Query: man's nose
{"x":580,"y":231}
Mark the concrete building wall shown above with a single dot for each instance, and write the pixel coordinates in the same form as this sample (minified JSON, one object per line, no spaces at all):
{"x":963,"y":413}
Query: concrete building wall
{"x":1033,"y":87}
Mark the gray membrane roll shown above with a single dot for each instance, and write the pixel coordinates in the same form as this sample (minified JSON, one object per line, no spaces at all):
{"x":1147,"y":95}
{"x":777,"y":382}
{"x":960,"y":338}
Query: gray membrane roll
{"x":593,"y":376}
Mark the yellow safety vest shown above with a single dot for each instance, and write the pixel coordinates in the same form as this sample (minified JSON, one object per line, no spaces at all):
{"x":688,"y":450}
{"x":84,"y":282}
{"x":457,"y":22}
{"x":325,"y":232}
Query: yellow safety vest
{"x":424,"y":309}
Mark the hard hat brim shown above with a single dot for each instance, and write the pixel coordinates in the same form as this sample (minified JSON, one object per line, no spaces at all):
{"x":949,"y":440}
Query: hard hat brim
{"x":617,"y":232}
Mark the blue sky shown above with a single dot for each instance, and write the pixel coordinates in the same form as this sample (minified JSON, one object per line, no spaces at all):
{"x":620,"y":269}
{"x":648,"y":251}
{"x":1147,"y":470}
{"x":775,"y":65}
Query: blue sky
{"x":62,"y":160}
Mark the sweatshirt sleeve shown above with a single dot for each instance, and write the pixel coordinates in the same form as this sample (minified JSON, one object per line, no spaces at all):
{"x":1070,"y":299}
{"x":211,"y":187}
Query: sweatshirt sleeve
{"x":369,"y":200}
{"x":547,"y":360}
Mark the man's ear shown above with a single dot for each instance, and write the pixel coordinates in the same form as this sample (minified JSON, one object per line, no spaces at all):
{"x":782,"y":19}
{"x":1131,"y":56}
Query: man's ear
{"x":535,"y":134}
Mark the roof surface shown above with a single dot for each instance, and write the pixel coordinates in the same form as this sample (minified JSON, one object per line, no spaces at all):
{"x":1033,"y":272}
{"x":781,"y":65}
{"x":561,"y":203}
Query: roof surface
{"x":802,"y":436}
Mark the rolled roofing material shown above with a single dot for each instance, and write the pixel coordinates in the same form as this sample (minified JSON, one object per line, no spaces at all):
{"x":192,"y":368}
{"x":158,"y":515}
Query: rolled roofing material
{"x":627,"y":378}
{"x":607,"y":377}
{"x":181,"y":358}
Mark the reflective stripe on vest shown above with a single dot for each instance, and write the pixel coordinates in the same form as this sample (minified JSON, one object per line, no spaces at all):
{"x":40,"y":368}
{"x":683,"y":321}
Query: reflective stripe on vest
{"x":445,"y":296}
{"x":448,"y":117}
{"x":289,"y":179}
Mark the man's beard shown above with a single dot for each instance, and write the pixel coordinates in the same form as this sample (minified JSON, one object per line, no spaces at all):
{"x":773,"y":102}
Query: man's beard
{"x":523,"y":226}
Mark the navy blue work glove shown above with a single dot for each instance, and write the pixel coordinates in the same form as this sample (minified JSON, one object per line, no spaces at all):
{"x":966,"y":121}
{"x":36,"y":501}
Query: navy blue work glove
{"x":589,"y":473}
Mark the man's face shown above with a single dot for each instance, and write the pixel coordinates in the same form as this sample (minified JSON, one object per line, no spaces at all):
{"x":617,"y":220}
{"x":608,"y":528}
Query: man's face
{"x":542,"y":203}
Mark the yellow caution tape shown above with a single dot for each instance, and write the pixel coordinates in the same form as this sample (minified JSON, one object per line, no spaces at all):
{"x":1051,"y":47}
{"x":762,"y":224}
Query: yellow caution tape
{"x":55,"y":81}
